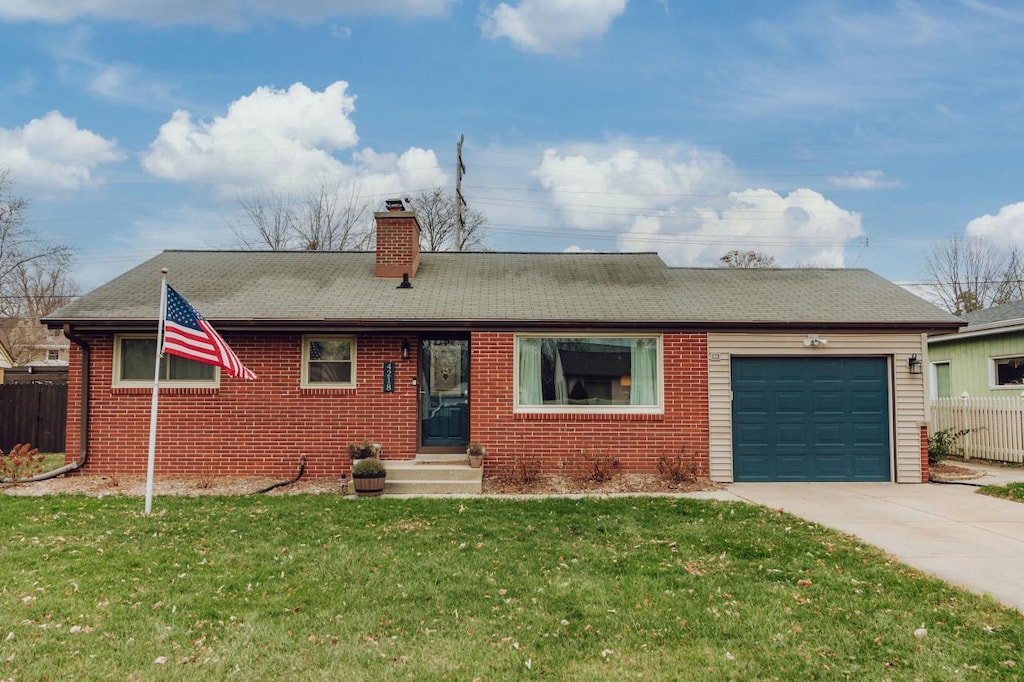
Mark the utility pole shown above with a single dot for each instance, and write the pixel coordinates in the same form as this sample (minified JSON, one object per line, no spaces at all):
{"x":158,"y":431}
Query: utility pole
{"x":460,"y":168}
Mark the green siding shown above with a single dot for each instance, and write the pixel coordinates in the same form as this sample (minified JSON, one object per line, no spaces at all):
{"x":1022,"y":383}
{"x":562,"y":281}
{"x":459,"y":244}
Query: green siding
{"x":969,"y":362}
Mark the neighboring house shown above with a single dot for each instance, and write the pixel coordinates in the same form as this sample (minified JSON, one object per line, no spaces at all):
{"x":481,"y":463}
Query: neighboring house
{"x":5,"y":361}
{"x":548,"y":359}
{"x":985,"y":358}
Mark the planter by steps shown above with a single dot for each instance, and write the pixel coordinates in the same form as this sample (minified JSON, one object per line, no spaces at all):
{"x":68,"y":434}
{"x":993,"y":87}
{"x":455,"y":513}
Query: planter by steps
{"x":368,"y":476}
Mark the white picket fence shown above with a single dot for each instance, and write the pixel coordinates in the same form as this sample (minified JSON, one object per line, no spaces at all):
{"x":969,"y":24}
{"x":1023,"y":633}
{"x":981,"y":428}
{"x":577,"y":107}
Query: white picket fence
{"x":996,"y":425}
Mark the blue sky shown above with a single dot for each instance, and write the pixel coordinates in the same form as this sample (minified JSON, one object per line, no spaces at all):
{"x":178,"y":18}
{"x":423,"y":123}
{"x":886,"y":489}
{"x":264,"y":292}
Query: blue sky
{"x":823,"y":133}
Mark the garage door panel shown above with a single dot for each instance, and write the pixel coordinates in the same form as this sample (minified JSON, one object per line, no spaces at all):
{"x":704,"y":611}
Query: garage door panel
{"x":811,"y":419}
{"x":790,"y":435}
{"x":790,"y":467}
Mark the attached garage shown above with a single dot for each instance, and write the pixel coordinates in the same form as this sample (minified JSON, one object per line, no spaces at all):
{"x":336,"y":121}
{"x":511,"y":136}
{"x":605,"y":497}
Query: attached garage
{"x":811,"y":419}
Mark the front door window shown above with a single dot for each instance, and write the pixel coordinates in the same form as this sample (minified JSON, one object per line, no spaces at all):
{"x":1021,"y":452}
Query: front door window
{"x":444,"y":393}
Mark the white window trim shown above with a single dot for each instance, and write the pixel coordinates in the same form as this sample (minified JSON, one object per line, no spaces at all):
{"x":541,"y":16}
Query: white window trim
{"x":659,"y":408}
{"x":118,"y":382}
{"x":992,"y":373}
{"x":306,"y":338}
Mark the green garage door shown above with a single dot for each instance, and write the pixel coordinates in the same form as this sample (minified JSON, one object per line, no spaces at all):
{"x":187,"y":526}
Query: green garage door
{"x":810,"y":419}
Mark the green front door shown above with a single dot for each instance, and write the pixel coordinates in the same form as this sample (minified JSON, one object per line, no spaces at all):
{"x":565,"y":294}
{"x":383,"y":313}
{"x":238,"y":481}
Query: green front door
{"x":444,"y":393}
{"x":810,"y":419}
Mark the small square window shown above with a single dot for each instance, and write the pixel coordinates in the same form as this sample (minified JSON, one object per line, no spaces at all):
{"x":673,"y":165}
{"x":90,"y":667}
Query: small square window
{"x":53,"y":354}
{"x":1009,"y":371}
{"x":328,"y":361}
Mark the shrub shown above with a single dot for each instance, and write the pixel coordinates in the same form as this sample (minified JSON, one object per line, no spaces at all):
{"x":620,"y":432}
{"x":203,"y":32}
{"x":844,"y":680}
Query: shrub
{"x":676,"y":469}
{"x":524,"y":472}
{"x":598,"y":469}
{"x":944,"y":443}
{"x":363,"y":449}
{"x":24,"y":461}
{"x":368,"y":466}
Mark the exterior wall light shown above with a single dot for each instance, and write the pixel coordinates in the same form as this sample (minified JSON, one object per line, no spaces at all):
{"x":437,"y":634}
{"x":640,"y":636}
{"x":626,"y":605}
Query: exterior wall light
{"x":813,"y":341}
{"x":915,"y":364}
{"x":405,"y":349}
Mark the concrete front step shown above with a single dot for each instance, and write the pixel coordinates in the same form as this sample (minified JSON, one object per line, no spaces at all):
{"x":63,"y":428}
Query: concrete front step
{"x":417,"y":478}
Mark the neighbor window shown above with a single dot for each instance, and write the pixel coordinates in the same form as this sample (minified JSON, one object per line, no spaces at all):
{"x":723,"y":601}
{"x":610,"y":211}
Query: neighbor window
{"x":589,"y":373}
{"x":940,"y":380}
{"x":328,"y":361}
{"x":134,"y":364}
{"x":53,"y":354}
{"x":1009,"y":372}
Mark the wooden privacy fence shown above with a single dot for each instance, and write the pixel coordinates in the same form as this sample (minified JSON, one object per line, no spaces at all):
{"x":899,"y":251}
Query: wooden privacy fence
{"x":33,"y":413}
{"x":996,"y":425}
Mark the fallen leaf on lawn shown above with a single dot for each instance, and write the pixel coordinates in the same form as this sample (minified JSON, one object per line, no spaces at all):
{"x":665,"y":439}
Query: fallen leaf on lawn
{"x":804,"y":582}
{"x":160,"y":660}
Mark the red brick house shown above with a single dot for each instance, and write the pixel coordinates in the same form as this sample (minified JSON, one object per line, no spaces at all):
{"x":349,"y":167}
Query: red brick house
{"x":547,"y":359}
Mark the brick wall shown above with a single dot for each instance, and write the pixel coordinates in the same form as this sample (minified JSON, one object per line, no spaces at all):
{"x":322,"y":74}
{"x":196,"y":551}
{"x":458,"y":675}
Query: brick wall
{"x":925,"y":473}
{"x":247,"y":428}
{"x":398,"y":244}
{"x":568,"y":443}
{"x":262,"y":427}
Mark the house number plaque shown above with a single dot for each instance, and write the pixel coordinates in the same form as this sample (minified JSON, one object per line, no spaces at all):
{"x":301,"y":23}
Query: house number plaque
{"x":389,"y":377}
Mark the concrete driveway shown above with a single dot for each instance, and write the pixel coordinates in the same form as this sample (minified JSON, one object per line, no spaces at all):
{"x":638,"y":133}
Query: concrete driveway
{"x":950,"y":531}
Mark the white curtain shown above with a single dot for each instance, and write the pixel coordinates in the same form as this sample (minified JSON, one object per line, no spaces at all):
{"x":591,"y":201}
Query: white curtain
{"x":530,"y":392}
{"x":561,"y":389}
{"x":643,"y":363}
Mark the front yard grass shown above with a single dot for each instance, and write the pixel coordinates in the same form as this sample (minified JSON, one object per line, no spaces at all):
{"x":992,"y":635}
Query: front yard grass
{"x":1010,"y":491}
{"x":317,"y":587}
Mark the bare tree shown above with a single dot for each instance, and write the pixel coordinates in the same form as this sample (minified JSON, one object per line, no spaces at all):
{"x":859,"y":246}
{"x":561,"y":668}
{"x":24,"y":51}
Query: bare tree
{"x":968,"y":275}
{"x":319,"y":221}
{"x":34,"y":278}
{"x":326,"y":223}
{"x":746,"y":259}
{"x":435,"y":210}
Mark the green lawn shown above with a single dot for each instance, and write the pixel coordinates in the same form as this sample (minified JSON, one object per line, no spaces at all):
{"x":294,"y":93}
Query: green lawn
{"x":320,"y":587}
{"x":1011,"y":491}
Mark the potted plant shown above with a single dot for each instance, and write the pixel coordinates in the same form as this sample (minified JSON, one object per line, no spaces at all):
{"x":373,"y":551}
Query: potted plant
{"x":363,"y":449}
{"x":368,"y":476}
{"x":476,"y":452}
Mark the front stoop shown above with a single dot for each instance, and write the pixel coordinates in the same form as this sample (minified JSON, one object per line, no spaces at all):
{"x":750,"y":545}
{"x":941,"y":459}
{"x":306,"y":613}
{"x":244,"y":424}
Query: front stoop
{"x":411,"y":477}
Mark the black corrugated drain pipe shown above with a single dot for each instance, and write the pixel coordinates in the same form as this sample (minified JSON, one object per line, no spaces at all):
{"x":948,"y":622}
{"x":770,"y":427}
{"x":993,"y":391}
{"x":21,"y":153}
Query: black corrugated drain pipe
{"x":281,"y":484}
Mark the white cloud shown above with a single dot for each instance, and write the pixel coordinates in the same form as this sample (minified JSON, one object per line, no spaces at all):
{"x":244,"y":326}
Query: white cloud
{"x":551,"y":26}
{"x":221,"y":13}
{"x":869,"y":179}
{"x":681,"y":202}
{"x":52,"y":152}
{"x":283,"y":140}
{"x":1007,"y":225}
{"x":602,"y":186}
{"x":801,"y":228}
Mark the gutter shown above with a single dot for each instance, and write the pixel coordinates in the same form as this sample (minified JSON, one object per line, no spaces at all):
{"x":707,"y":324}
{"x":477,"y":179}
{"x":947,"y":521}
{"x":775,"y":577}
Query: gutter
{"x":83,"y":433}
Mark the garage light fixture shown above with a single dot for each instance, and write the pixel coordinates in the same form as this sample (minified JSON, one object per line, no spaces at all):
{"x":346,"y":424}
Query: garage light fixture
{"x":813,"y":341}
{"x":915,"y":364}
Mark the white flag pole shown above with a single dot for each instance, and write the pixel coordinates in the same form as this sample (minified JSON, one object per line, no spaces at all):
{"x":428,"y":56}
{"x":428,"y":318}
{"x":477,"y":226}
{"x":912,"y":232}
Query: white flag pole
{"x":156,"y":391}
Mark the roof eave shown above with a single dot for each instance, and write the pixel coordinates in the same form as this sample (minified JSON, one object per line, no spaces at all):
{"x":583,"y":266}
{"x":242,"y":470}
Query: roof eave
{"x":928,"y":327}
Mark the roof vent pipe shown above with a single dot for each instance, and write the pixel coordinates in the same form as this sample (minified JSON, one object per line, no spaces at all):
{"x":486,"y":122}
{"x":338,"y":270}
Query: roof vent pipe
{"x":406,"y":284}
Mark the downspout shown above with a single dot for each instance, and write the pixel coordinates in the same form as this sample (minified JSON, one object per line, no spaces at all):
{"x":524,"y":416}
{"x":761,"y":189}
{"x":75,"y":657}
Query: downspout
{"x":83,"y":432}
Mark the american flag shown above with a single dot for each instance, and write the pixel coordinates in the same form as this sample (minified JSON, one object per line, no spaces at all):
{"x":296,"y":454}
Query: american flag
{"x":187,"y":334}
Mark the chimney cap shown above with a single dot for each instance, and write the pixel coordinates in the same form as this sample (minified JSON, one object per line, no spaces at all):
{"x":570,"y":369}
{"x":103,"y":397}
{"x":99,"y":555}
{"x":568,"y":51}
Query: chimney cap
{"x":394,"y":204}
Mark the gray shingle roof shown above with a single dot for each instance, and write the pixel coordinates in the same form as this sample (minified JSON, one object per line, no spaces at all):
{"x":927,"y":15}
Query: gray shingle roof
{"x":1009,"y":313}
{"x":495,"y":288}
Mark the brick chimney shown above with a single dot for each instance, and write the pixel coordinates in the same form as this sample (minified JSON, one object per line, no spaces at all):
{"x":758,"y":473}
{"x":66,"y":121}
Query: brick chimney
{"x":398,"y":241}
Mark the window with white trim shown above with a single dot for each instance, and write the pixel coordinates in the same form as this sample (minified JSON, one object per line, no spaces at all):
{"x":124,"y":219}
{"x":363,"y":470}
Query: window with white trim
{"x":328,"y":362}
{"x":1008,"y":372}
{"x":589,"y":373}
{"x":134,"y":365}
